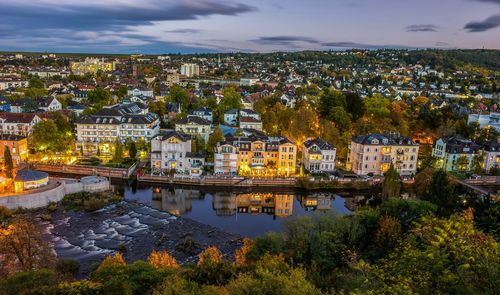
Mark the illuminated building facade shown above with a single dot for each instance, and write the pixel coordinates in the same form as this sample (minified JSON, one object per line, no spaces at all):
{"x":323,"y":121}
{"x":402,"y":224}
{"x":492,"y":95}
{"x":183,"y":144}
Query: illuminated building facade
{"x":374,"y":153}
{"x":18,"y":146}
{"x":92,"y":65}
{"x":449,"y":149}
{"x":318,"y":155}
{"x":256,"y":156}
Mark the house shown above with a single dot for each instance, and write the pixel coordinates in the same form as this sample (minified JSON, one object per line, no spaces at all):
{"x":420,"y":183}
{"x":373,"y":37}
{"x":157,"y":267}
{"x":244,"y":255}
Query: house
{"x":196,"y":161}
{"x":169,"y":150}
{"x":20,"y":105}
{"x":173,"y":109}
{"x":448,"y":151}
{"x":250,"y":123}
{"x":140,"y":92}
{"x":48,"y":104}
{"x":202,"y":112}
{"x":18,"y":146}
{"x":18,"y":124}
{"x":231,"y":117}
{"x":256,"y":156}
{"x":318,"y":155}
{"x":195,"y":126}
{"x":249,"y":113}
{"x":373,"y":154}
{"x":485,"y":120}
{"x":76,"y":109}
{"x":11,"y":83}
{"x":491,"y":155}
{"x":118,"y":122}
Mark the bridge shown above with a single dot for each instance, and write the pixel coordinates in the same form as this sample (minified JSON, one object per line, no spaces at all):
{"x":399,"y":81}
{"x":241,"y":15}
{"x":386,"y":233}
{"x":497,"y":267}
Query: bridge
{"x":478,"y":185}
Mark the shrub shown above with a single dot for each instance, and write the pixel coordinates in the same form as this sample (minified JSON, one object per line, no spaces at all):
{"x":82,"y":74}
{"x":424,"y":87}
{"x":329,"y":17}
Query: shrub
{"x":42,"y":281}
{"x":68,"y":267}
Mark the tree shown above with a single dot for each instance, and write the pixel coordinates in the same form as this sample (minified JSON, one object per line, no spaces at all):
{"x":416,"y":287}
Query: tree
{"x":24,"y":248}
{"x":329,"y":99}
{"x":231,"y":99}
{"x":215,"y":137}
{"x":441,"y":192}
{"x":477,"y":164}
{"x":162,"y":260}
{"x":132,"y":150}
{"x":179,"y":95}
{"x":46,"y":137}
{"x":36,"y":82}
{"x":9,"y":164}
{"x":30,"y":106}
{"x":354,"y":105}
{"x":118,"y":155}
{"x":99,"y":97}
{"x":462,"y":164}
{"x":392,"y":184}
{"x":440,"y":256}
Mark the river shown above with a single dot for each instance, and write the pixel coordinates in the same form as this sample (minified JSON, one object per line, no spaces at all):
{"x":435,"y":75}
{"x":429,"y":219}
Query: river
{"x":247,"y":213}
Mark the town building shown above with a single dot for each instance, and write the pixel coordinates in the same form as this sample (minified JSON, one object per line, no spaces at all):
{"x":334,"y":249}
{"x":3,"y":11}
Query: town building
{"x":373,"y":154}
{"x":318,"y":156}
{"x":18,"y":146}
{"x":11,"y":83}
{"x":48,"y":104}
{"x":92,"y":65}
{"x":491,"y":155}
{"x":190,"y":70}
{"x":18,"y":124}
{"x":195,"y":126}
{"x":455,"y":153}
{"x":202,"y":112}
{"x":171,"y":150}
{"x":259,"y":156}
{"x":231,"y":117}
{"x":118,"y":122}
{"x":250,"y":123}
{"x":485,"y":120}
{"x":140,"y":92}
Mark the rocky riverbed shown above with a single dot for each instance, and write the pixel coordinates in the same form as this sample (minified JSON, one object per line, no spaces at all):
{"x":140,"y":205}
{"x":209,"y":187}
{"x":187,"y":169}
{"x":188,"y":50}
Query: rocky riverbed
{"x":135,"y":230}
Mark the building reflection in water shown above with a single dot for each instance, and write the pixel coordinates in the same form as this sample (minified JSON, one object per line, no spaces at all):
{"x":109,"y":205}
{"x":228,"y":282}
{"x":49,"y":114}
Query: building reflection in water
{"x":174,"y":201}
{"x":179,"y":201}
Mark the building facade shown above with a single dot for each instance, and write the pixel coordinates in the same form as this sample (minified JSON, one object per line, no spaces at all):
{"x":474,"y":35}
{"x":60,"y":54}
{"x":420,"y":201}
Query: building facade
{"x":18,"y":124}
{"x":18,"y":146}
{"x":318,"y":156}
{"x":118,"y":122}
{"x":190,"y":70}
{"x":257,"y":156}
{"x":373,"y":154}
{"x":455,"y":153}
{"x":491,"y":155}
{"x":195,"y":126}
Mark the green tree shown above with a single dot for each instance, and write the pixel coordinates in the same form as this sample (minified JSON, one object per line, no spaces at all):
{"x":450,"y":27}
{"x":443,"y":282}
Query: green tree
{"x":118,"y":154}
{"x":179,"y":95}
{"x":9,"y":164}
{"x":30,"y":106}
{"x":132,"y":150}
{"x":441,"y":192}
{"x":391,"y":186}
{"x":99,"y":97}
{"x":36,"y":82}
{"x":215,"y":137}
{"x":46,"y":137}
{"x":355,"y":105}
{"x":462,"y":164}
{"x":231,"y":99}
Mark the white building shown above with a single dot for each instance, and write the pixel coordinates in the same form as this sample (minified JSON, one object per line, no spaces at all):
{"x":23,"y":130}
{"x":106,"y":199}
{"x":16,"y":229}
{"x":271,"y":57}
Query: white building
{"x":118,"y":122}
{"x":168,"y":151}
{"x":190,"y":70}
{"x":49,"y":104}
{"x":250,"y":123}
{"x":18,"y":124}
{"x":491,"y":155}
{"x":374,"y":154}
{"x":13,"y":83}
{"x":140,"y":92}
{"x":485,"y":120}
{"x":195,"y":126}
{"x":231,"y":117}
{"x":318,"y":155}
{"x":202,"y":112}
{"x":449,"y":149}
{"x":226,"y":159}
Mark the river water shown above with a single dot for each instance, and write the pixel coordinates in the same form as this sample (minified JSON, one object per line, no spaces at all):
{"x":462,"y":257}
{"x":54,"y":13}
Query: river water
{"x":247,"y":213}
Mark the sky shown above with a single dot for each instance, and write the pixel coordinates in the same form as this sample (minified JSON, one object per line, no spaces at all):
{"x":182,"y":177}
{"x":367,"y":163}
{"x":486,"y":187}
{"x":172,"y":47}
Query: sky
{"x":189,"y":26}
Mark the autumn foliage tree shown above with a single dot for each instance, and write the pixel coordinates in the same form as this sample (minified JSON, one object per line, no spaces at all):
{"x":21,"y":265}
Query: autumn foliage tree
{"x":162,"y":260}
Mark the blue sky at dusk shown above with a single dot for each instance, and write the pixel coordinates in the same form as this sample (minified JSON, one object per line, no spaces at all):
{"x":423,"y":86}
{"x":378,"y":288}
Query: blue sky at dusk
{"x":165,"y":26}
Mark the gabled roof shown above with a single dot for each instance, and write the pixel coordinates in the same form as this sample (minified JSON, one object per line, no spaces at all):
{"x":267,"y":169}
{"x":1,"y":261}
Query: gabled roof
{"x":166,"y":134}
{"x":194,"y":120}
{"x":321,"y":144}
{"x":25,"y":118}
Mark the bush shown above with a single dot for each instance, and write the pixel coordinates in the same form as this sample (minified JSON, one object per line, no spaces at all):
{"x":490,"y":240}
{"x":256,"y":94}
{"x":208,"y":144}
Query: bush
{"x":5,"y":213}
{"x":42,"y":281}
{"x":68,"y":268}
{"x":89,"y":201}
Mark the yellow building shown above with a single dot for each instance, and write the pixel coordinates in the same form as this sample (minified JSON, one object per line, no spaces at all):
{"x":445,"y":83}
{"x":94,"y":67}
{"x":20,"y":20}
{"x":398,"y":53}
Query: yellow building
{"x":92,"y":65}
{"x":264,"y":156}
{"x":18,"y":146}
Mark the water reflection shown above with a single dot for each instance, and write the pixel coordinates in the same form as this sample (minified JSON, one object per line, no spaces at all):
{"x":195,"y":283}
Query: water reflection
{"x":245,"y":213}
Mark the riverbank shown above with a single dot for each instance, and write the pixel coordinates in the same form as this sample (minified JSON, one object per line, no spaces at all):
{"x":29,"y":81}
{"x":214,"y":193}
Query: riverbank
{"x":133,"y":229}
{"x":257,"y":182}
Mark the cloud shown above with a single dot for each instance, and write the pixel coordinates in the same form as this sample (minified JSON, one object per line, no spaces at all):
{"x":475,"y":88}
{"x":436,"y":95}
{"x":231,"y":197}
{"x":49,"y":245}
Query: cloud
{"x":285,"y":40}
{"x":110,"y":22}
{"x":488,"y":1}
{"x":422,"y":28}
{"x":485,"y":25}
